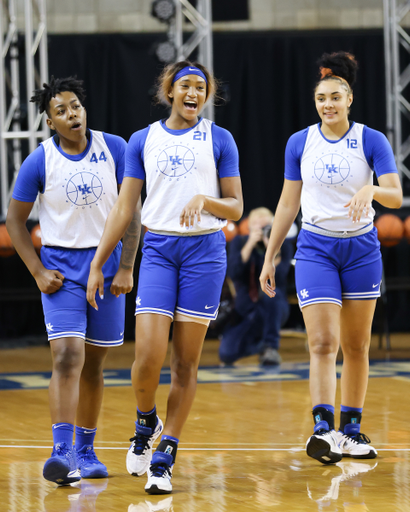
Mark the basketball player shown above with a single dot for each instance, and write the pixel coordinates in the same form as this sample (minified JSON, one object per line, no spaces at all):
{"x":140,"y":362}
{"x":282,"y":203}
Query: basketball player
{"x":193,"y":186}
{"x":329,"y":172}
{"x":76,"y":174}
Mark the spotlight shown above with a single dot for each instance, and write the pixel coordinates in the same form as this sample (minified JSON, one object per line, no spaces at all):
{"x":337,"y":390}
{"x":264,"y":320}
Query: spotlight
{"x":163,"y":10}
{"x":165,"y":52}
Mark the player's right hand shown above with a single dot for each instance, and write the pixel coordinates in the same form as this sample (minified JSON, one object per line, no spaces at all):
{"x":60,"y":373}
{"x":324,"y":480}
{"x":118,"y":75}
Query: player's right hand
{"x":267,"y":279}
{"x":49,"y":280}
{"x":95,"y":281}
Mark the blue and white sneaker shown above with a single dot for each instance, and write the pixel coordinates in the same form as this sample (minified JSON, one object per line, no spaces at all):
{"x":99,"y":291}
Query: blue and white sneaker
{"x":61,"y":467}
{"x":356,"y":445}
{"x":160,"y":474}
{"x":140,"y":452}
{"x":88,"y":464}
{"x":323,"y":446}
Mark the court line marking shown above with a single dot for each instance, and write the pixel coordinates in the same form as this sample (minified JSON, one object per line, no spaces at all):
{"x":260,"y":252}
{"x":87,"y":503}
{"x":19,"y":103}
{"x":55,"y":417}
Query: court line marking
{"x":219,"y":449}
{"x":211,"y":446}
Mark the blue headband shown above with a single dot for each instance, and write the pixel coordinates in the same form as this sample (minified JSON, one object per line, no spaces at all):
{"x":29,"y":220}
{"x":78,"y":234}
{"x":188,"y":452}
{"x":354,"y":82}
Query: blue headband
{"x":189,"y":70}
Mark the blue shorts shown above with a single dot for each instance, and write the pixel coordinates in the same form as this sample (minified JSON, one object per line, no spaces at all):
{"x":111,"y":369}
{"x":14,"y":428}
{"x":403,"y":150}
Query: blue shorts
{"x":335,"y":269}
{"x":67,"y":313}
{"x":182,"y":274}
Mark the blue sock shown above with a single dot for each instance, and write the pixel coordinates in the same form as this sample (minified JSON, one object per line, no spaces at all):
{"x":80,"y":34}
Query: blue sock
{"x":84,"y":437}
{"x":63,"y":433}
{"x":344,"y":408}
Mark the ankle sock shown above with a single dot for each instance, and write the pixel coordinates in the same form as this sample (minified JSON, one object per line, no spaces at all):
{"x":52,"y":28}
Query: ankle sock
{"x":84,"y":437}
{"x":147,"y":419}
{"x":63,"y":433}
{"x":169,"y":445}
{"x":324,"y":417}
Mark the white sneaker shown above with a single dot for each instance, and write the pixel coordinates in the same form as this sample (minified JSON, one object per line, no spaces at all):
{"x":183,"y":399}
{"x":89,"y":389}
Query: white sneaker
{"x":357,"y":446}
{"x":160,"y":474}
{"x":323,"y":446}
{"x":161,"y":506}
{"x":350,"y":470}
{"x":140,"y":452}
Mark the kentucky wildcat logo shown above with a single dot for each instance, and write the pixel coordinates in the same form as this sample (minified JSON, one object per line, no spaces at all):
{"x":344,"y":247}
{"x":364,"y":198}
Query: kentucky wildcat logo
{"x":175,"y":161}
{"x":84,"y":188}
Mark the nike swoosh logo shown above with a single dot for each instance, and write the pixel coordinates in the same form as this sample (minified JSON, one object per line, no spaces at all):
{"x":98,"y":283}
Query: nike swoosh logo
{"x":209,"y":307}
{"x":86,"y":432}
{"x":375,"y":285}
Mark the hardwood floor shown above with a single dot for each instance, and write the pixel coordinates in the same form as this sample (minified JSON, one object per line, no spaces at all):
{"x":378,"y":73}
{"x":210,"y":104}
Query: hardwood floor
{"x":242,"y":448}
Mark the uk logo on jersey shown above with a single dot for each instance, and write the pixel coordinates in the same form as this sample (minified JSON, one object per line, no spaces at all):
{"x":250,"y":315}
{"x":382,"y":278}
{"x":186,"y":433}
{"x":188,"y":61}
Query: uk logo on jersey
{"x":84,"y":188}
{"x":332,"y":169}
{"x":175,"y":161}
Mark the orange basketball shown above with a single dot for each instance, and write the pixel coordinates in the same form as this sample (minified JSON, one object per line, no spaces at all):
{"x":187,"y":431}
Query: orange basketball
{"x":6,"y":247}
{"x":36,"y":237}
{"x":230,"y":230}
{"x":244,"y":226}
{"x":407,"y":228}
{"x":390,"y":229}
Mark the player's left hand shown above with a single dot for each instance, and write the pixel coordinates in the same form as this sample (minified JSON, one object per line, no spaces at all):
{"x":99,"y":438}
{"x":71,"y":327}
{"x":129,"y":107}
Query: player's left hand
{"x":360,"y":203}
{"x":191,"y":210}
{"x":123,"y":282}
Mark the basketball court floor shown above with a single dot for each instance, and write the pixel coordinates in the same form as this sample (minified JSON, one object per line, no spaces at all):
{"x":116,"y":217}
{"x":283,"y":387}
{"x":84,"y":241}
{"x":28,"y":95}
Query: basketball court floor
{"x":242,"y":448}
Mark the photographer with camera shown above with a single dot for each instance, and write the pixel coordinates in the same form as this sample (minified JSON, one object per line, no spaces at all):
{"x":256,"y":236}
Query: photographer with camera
{"x":257,"y":320}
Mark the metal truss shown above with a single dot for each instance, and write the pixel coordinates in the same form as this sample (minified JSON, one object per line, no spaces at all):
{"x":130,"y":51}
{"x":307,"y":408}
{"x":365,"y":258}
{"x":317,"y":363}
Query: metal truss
{"x":397,"y":64}
{"x":13,"y":100}
{"x":201,"y":18}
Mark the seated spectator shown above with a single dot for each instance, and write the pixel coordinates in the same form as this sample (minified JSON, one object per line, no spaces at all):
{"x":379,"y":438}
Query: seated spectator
{"x":258,"y":319}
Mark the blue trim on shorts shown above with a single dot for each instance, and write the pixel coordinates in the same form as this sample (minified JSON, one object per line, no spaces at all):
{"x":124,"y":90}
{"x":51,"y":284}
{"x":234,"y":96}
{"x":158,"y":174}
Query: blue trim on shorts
{"x":67,"y":313}
{"x":181,"y":274}
{"x":329,"y":270}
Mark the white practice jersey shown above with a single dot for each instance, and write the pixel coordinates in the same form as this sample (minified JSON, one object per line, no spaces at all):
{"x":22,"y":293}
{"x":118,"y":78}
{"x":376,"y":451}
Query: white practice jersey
{"x":333,"y":171}
{"x":78,"y":195}
{"x":177,"y":165}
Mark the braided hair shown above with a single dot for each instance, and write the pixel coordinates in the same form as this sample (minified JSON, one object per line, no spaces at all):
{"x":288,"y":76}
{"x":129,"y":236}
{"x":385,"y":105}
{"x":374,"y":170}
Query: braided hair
{"x":43,"y":96}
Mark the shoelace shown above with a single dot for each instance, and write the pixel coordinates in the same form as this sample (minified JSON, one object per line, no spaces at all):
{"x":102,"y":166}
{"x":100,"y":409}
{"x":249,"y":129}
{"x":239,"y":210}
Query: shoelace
{"x":160,"y":469}
{"x":360,"y":438}
{"x":62,"y":450}
{"x":321,"y":432}
{"x":88,"y":455}
{"x":141,"y":443}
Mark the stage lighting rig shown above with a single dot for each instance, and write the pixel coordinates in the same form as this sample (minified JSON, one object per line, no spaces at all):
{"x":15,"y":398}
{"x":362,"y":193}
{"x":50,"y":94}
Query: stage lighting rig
{"x":165,"y":52}
{"x":163,"y":10}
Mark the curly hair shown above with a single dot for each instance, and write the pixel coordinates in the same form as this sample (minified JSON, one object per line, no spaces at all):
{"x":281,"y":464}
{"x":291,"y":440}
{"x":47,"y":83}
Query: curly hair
{"x":164,"y":82}
{"x":340,"y":66}
{"x":43,"y":96}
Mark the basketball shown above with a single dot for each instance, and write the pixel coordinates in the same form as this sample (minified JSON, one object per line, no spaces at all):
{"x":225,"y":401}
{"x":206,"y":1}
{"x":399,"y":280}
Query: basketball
{"x":407,"y":228}
{"x":6,"y":247}
{"x":390,"y":229}
{"x":36,"y":237}
{"x":230,"y":230}
{"x":244,"y":226}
